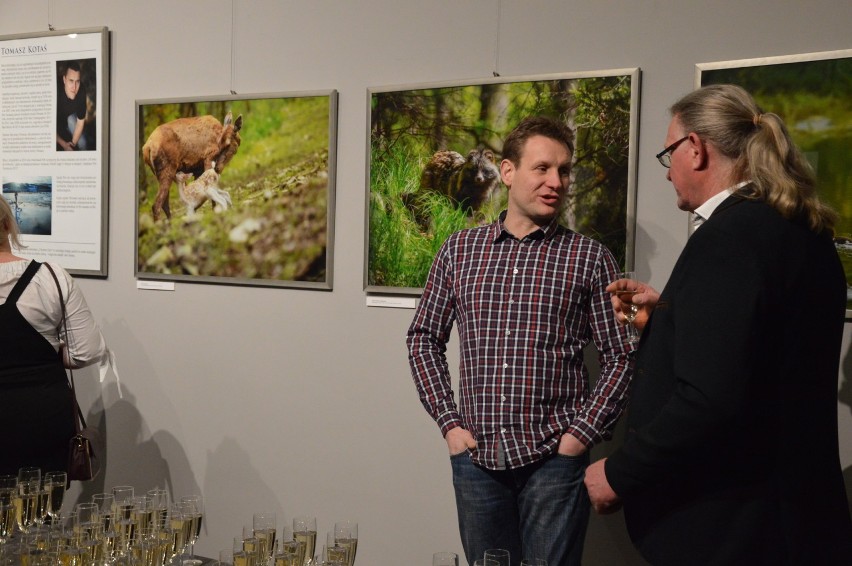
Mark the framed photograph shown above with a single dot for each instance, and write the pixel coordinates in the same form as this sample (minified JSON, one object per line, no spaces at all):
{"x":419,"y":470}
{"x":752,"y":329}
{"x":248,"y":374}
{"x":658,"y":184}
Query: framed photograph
{"x":813,"y":95}
{"x":237,"y":190}
{"x":434,"y":156}
{"x":54,"y":160}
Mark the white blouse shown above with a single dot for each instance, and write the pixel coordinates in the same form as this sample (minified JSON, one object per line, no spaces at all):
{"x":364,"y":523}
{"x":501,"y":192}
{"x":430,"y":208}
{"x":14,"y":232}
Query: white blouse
{"x":39,"y":304}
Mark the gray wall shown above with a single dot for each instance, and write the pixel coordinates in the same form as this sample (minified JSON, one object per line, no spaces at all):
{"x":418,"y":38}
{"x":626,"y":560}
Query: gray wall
{"x":300,"y":401}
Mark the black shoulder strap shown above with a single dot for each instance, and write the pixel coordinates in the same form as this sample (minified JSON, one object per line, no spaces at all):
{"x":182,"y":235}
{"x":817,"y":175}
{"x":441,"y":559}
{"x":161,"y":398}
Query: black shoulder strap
{"x":22,"y":283}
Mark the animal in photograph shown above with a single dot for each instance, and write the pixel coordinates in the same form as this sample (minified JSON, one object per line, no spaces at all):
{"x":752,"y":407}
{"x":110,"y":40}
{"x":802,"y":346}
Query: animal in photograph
{"x":31,"y":200}
{"x":189,"y":145}
{"x":236,"y":190}
{"x":435,"y":155}
{"x":199,"y":191}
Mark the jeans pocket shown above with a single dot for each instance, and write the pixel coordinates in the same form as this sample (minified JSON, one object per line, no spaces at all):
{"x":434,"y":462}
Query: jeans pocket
{"x":465,"y":452}
{"x":573,"y":463}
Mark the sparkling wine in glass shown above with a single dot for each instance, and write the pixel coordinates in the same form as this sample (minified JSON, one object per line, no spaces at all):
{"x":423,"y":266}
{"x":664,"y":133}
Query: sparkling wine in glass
{"x":160,"y":505}
{"x":25,"y":501}
{"x":346,"y":534}
{"x":54,"y":484}
{"x":305,"y":531}
{"x":335,"y":553}
{"x":625,"y":291}
{"x":193,"y":506}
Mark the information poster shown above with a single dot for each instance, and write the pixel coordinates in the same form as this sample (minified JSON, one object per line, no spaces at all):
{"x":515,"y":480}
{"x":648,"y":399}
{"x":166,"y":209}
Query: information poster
{"x":54,"y":108}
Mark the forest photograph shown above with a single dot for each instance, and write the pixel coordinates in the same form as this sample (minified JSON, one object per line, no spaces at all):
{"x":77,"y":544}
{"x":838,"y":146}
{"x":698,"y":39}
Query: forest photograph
{"x":814,"y":98}
{"x":236,"y":190}
{"x":435,"y":152}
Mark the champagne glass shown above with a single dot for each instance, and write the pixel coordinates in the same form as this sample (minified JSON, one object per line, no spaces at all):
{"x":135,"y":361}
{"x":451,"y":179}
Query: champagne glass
{"x":29,"y":474}
{"x":106,"y":506}
{"x":288,"y":555}
{"x":180,"y":524}
{"x":193,"y":506}
{"x":7,"y":521}
{"x":346,"y":534}
{"x":485,"y":562}
{"x":25,"y":500}
{"x":8,"y":488}
{"x":88,"y":531}
{"x":122,"y":517}
{"x":499,"y":555}
{"x":290,"y":545}
{"x":42,"y":505}
{"x":160,"y":505}
{"x":245,"y":551}
{"x":55,"y":483}
{"x":625,"y":292}
{"x":445,"y":559}
{"x":264,"y":527}
{"x":335,"y":553}
{"x":123,"y":501}
{"x":305,"y":531}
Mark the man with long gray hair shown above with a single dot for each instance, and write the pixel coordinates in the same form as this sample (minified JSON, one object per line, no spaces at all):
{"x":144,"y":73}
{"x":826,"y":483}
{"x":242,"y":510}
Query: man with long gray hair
{"x":731,"y":455}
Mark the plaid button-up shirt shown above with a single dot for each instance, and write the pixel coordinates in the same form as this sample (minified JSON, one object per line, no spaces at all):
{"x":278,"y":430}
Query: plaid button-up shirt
{"x":525,"y":311}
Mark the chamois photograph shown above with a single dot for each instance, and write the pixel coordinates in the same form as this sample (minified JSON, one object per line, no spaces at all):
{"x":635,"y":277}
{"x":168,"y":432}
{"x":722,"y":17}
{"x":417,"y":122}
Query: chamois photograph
{"x":237,"y":190}
{"x":434,"y":164}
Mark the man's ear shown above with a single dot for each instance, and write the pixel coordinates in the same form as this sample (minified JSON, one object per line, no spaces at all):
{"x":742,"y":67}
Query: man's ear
{"x":507,"y":172}
{"x":698,"y":152}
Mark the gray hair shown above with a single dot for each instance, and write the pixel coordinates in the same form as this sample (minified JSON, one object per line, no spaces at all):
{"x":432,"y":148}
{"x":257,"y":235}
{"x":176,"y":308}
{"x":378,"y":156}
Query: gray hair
{"x":761,"y":149}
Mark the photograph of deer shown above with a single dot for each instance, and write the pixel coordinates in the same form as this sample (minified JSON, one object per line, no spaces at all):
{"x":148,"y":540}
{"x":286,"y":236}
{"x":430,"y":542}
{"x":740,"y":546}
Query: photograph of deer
{"x":237,"y":190}
{"x":434,"y":155}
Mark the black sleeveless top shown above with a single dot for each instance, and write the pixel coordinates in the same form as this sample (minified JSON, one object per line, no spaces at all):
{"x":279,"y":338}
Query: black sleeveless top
{"x":36,"y":409}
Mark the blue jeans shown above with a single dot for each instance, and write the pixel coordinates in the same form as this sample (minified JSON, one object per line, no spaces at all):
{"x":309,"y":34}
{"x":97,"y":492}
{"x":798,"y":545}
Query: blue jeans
{"x":82,"y":143}
{"x":537,"y":511}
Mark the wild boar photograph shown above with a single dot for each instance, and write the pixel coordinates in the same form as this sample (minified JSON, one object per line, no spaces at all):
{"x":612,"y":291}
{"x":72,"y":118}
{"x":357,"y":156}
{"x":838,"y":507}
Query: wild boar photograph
{"x":236,"y":190}
{"x":435,"y":155}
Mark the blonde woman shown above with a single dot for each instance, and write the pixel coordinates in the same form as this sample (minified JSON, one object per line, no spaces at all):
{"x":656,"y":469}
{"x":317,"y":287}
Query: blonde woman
{"x":36,"y":416}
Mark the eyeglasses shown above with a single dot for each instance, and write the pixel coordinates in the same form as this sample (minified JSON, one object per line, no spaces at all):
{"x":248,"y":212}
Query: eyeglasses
{"x":665,"y":156}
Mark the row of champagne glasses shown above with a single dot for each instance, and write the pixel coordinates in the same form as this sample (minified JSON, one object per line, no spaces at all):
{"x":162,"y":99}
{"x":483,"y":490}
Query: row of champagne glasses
{"x":29,"y":500}
{"x":120,"y":527}
{"x":259,"y":545}
{"x":492,"y":557}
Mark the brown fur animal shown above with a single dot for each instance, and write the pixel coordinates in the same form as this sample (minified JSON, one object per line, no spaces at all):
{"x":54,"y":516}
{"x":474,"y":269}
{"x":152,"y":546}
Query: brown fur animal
{"x":199,"y":191}
{"x":189,"y":145}
{"x":467,"y":181}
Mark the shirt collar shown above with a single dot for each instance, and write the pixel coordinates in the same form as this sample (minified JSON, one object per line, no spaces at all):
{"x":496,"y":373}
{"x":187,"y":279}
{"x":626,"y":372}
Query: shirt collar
{"x":703,"y":212}
{"x":543,"y":233}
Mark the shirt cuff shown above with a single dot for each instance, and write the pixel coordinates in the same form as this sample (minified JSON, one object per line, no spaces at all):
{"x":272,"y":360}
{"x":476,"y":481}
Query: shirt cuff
{"x":448,"y":421}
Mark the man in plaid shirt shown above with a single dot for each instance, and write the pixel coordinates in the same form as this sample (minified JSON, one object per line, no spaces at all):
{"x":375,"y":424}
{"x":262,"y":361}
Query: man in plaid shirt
{"x":528,"y":296}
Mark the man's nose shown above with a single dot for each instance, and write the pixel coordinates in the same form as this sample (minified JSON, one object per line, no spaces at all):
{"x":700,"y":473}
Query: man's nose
{"x":554,"y":180}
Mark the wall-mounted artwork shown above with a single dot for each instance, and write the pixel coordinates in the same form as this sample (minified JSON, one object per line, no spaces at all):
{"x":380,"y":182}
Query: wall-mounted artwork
{"x":237,"y":190}
{"x":813,"y":95}
{"x":434,"y":155}
{"x":55,"y":145}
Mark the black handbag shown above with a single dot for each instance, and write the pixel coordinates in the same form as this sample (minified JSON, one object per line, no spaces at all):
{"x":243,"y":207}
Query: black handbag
{"x":84,"y":446}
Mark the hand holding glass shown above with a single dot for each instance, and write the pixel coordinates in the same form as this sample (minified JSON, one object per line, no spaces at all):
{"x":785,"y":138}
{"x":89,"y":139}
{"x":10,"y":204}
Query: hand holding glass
{"x":625,"y":291}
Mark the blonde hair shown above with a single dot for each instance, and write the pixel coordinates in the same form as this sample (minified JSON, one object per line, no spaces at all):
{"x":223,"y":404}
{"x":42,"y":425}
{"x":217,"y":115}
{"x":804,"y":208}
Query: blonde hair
{"x":8,"y":225}
{"x":760,"y":146}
